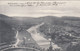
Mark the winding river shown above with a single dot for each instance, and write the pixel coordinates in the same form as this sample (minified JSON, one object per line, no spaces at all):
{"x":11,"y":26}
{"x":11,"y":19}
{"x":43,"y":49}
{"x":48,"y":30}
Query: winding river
{"x":34,"y":36}
{"x":40,"y":40}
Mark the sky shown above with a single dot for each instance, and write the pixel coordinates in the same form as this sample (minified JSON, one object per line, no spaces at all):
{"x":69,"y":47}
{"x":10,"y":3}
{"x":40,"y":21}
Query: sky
{"x":68,"y":8}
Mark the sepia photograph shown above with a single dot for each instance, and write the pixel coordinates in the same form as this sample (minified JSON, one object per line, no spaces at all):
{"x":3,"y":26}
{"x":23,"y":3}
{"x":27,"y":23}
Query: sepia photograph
{"x":39,"y":25}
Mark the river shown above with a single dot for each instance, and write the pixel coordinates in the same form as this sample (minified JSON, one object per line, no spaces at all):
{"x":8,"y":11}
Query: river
{"x":34,"y":37}
{"x":39,"y":38}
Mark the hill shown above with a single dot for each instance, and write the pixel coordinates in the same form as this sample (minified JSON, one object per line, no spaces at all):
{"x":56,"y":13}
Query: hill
{"x":60,"y":25}
{"x":6,"y":33}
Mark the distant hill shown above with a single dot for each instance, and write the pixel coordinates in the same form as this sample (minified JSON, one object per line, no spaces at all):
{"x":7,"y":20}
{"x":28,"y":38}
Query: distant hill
{"x":3,"y":16}
{"x":27,"y":22}
{"x":71,"y":18}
